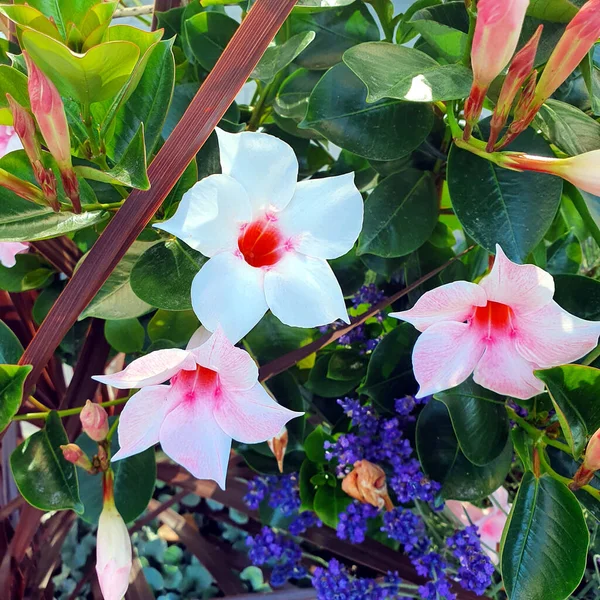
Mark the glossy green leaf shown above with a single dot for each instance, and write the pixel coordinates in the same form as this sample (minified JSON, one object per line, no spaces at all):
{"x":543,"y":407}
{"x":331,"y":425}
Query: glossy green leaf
{"x":400,"y":214}
{"x":125,"y":335}
{"x":350,"y":272}
{"x":44,"y":478}
{"x":544,"y":548}
{"x":498,"y":206}
{"x":133,"y":485}
{"x":346,"y":365}
{"x":391,"y":71}
{"x":323,"y":385}
{"x":307,"y":489}
{"x":116,"y":299}
{"x":318,"y":5}
{"x":12,"y":377}
{"x":574,"y":391}
{"x":564,"y":255}
{"x":10,"y":346}
{"x":95,"y":23}
{"x":338,"y":110}
{"x":337,"y":30}
{"x":62,"y":12}
{"x":293,"y":94}
{"x":29,"y":16}
{"x":92,"y":77}
{"x":14,"y":83}
{"x":578,"y":295}
{"x":314,"y":445}
{"x":329,"y":502}
{"x":277,"y":58}
{"x":29,"y":273}
{"x":163,"y":275}
{"x":591,"y":75}
{"x":175,"y":326}
{"x":208,"y":33}
{"x":479,"y":420}
{"x":286,"y":391}
{"x":559,"y":11}
{"x":523,"y":446}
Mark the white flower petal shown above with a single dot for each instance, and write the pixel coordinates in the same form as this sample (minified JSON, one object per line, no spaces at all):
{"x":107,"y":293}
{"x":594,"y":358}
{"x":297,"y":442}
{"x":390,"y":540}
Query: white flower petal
{"x":229,"y":292}
{"x":324,"y":217}
{"x":265,"y":165}
{"x":210,"y":215}
{"x":303,"y":292}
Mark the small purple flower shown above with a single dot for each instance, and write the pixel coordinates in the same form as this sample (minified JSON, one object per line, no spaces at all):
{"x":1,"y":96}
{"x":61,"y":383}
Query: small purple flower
{"x":353,"y":522}
{"x":404,"y":526}
{"x":305,"y":520}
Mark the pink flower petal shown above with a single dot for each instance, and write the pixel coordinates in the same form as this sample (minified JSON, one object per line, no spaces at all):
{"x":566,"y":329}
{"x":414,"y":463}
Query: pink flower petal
{"x":525,"y":288}
{"x":210,"y":215}
{"x":490,"y":531}
{"x":551,"y":336}
{"x":9,"y":251}
{"x":252,"y":416}
{"x":229,"y":292}
{"x":451,"y":302}
{"x":141,"y":419}
{"x":9,"y":140}
{"x":198,"y":338}
{"x":265,"y":165}
{"x":302,"y":291}
{"x":236,"y":368}
{"x":465,"y":511}
{"x":504,"y":371}
{"x":324,"y":217}
{"x":151,"y":369}
{"x":191,"y":436}
{"x":444,"y":356}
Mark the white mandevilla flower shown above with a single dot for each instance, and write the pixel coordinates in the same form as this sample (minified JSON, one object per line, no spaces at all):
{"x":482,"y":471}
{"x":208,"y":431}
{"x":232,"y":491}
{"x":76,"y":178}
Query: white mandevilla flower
{"x":501,"y":330}
{"x":268,"y":237}
{"x":214,"y":397}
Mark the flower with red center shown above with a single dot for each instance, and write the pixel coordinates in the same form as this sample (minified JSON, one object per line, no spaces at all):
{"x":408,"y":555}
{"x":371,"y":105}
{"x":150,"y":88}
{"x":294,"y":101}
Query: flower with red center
{"x":268,"y":237}
{"x":214,"y":397}
{"x":501,"y":330}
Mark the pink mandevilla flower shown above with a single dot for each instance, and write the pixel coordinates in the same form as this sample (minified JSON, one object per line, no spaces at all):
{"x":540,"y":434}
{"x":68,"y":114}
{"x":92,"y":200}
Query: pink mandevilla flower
{"x":9,"y":140}
{"x":214,"y":397}
{"x":501,"y":330}
{"x":267,"y":236}
{"x":489,"y":521}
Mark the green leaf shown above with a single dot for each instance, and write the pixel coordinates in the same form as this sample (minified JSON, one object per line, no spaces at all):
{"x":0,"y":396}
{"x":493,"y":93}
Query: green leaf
{"x":13,"y":82}
{"x":321,"y":384}
{"x":307,"y":489}
{"x":578,"y":295}
{"x":277,"y":58}
{"x":284,"y":388}
{"x":329,"y":502}
{"x":29,"y":273}
{"x":115,"y":299}
{"x":545,"y":543}
{"x":177,"y":326}
{"x":91,"y":77}
{"x":292,"y":98}
{"x":62,"y":12}
{"x":337,"y":30}
{"x":44,"y":478}
{"x":558,"y":11}
{"x":523,"y":445}
{"x":126,"y":335}
{"x":568,"y":127}
{"x":346,"y":365}
{"x":314,"y":445}
{"x":28,"y":16}
{"x":390,"y":374}
{"x":574,"y":392}
{"x":12,"y":378}
{"x":479,"y":420}
{"x":163,"y":275}
{"x":503,"y":207}
{"x":400,"y":214}
{"x":349,"y":271}
{"x":318,"y":5}
{"x":564,"y":255}
{"x":133,"y":485}
{"x":10,"y":346}
{"x":338,"y":109}
{"x":591,"y":75}
{"x":208,"y":33}
{"x":391,"y":71}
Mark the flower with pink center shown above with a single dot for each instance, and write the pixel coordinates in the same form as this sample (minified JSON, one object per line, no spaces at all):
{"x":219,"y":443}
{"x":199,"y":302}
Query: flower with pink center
{"x":501,"y":330}
{"x":268,"y":237}
{"x":9,"y":140}
{"x":214,"y":397}
{"x":489,"y":521}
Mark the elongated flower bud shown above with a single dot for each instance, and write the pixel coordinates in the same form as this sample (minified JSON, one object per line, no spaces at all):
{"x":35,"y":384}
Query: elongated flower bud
{"x":496,"y":36}
{"x":520,"y":69}
{"x":591,"y":463}
{"x":94,"y":421}
{"x":25,"y":128}
{"x":113,"y":549}
{"x":49,"y":111}
{"x":74,"y":454}
{"x":24,"y":189}
{"x":278,"y":446}
{"x":366,"y":483}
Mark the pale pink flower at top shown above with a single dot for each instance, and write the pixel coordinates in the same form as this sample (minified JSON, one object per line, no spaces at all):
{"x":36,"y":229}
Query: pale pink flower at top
{"x":489,"y":521}
{"x":9,"y":140}
{"x":501,"y":330}
{"x":268,"y":237}
{"x":214,"y":397}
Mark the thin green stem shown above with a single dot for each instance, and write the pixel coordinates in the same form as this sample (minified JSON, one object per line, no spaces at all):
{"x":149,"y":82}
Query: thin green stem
{"x":455,"y":128}
{"x":67,"y":412}
{"x":316,"y":559}
{"x":112,"y":430}
{"x":534,"y":433}
{"x":39,"y":405}
{"x":466,"y":59}
{"x":101,"y":206}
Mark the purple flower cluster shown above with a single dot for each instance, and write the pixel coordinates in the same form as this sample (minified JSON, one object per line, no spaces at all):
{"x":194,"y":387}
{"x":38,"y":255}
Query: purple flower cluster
{"x":305,"y":520}
{"x":476,"y":569}
{"x":367,"y":294}
{"x":282,"y":491}
{"x":404,"y":526}
{"x":353,"y":522}
{"x":433,"y":566}
{"x":276,"y":551}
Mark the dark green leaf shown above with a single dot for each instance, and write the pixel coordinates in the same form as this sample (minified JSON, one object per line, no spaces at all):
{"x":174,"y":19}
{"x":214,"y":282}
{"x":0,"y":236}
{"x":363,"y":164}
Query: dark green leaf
{"x":579,"y":295}
{"x":126,"y":335}
{"x":277,"y":58}
{"x":545,"y":544}
{"x":523,"y":445}
{"x":346,"y":365}
{"x":292,"y":98}
{"x":321,"y":384}
{"x":338,"y":109}
{"x":284,"y":388}
{"x":314,"y":445}
{"x":307,"y":489}
{"x":10,"y":346}
{"x":329,"y":502}
{"x":208,"y":33}
{"x":44,"y":478}
{"x":28,"y":273}
{"x":564,"y":255}
{"x":12,"y":379}
{"x":400,"y":214}
{"x":350,"y":272}
{"x":177,"y":326}
{"x":559,"y":11}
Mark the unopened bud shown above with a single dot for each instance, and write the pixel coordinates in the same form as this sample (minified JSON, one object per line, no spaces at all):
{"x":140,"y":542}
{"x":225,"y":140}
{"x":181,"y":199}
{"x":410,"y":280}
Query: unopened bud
{"x":366,"y":483}
{"x":71,"y":185}
{"x":278,"y":446}
{"x":74,"y":454}
{"x":94,"y":421}
{"x":591,"y":463}
{"x":22,"y":188}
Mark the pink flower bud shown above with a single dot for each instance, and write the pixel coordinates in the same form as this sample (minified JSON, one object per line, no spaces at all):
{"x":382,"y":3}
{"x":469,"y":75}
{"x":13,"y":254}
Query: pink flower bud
{"x":520,"y":69}
{"x":581,"y":34}
{"x":24,"y":189}
{"x":74,"y":454}
{"x":366,"y":483}
{"x":94,"y":421}
{"x":591,"y":463}
{"x":113,"y":549}
{"x":278,"y":446}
